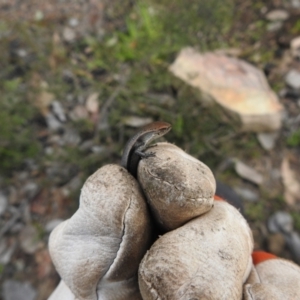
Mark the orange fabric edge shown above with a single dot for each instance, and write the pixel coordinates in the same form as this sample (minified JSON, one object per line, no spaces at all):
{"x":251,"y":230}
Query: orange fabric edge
{"x":218,"y":198}
{"x":261,"y":256}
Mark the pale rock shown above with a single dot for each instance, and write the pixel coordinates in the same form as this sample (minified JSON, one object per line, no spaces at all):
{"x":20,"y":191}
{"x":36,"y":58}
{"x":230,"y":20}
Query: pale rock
{"x":136,"y":122}
{"x":281,"y":221}
{"x":52,"y":122}
{"x":86,"y":145}
{"x":267,"y":139}
{"x":49,"y":150}
{"x":69,"y":34}
{"x":292,"y":79}
{"x":39,"y":15}
{"x":58,"y":110}
{"x":73,"y":22}
{"x":248,"y":173}
{"x":277,"y":15}
{"x":295,"y":3}
{"x":22,"y":53}
{"x":295,"y":47}
{"x":98,"y":149}
{"x":92,"y":104}
{"x":291,"y":179}
{"x":237,"y":86}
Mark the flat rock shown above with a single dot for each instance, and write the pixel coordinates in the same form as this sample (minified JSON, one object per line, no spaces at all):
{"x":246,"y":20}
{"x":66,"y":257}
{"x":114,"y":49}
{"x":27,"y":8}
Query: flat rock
{"x":248,"y":173}
{"x":237,"y":86}
{"x":277,"y":15}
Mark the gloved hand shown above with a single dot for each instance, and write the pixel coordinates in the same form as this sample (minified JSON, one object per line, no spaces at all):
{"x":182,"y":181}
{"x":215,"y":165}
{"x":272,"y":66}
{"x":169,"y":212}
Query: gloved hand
{"x":204,"y":251}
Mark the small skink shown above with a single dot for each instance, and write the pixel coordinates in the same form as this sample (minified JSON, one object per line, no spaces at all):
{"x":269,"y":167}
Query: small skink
{"x":134,"y":148}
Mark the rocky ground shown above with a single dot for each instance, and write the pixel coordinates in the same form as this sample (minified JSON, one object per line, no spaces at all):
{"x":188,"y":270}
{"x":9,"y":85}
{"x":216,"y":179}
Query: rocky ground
{"x":78,"y":78}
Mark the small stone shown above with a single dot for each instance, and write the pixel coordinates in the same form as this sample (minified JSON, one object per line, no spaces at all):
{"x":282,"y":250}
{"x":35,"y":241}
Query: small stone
{"x":277,"y":15}
{"x":267,"y":139}
{"x":48,"y":150}
{"x":3,"y":203}
{"x":30,"y":242}
{"x":276,"y":243}
{"x":69,"y":34}
{"x":52,"y":224}
{"x":52,"y":122}
{"x":16,"y":290}
{"x":295,"y":3}
{"x":39,"y":15}
{"x":86,"y":145}
{"x":98,"y":149}
{"x":280,"y":222}
{"x":248,"y":173}
{"x":22,"y":53}
{"x":92,"y":103}
{"x":247,"y":194}
{"x":292,"y":79}
{"x":73,"y":22}
{"x":274,"y":26}
{"x":30,"y":189}
{"x":290,"y":175}
{"x":295,"y":47}
{"x":59,"y":111}
{"x":136,"y":122}
{"x":70,"y":137}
